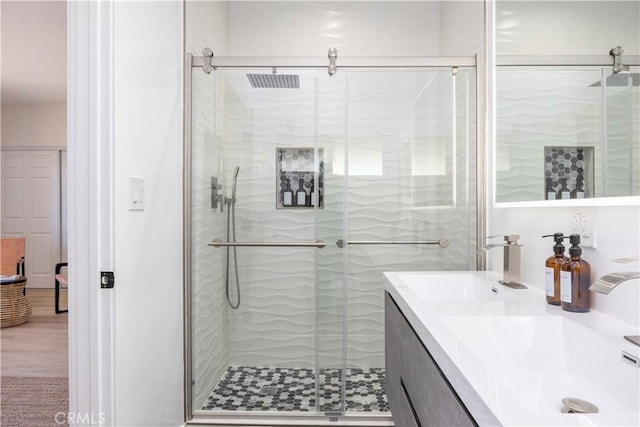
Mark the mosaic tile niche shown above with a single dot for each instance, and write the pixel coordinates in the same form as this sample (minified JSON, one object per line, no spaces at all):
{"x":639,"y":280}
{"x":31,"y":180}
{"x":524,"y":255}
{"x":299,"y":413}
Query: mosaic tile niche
{"x":293,"y":165}
{"x":575,"y":164}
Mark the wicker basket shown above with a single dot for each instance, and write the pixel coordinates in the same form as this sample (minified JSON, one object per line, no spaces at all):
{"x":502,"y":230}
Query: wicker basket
{"x":15,"y":308}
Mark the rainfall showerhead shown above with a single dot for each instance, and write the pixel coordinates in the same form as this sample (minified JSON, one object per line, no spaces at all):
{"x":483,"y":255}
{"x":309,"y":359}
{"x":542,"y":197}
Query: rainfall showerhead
{"x":274,"y":81}
{"x":621,"y":79}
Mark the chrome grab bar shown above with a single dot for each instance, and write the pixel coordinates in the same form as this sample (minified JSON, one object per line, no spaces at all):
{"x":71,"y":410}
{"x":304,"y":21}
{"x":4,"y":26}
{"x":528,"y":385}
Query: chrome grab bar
{"x":443,"y":243}
{"x":218,"y":243}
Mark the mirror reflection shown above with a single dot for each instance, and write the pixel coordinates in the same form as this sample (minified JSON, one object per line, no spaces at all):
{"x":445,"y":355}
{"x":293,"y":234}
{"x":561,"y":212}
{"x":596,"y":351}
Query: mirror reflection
{"x":567,"y":133}
{"x":570,"y":131}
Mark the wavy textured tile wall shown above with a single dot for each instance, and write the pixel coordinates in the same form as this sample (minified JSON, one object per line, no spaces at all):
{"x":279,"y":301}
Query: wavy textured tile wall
{"x":290,"y":296}
{"x":292,"y":310}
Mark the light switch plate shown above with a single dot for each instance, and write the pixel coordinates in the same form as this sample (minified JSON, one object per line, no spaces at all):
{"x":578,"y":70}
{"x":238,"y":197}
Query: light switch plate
{"x":136,"y":193}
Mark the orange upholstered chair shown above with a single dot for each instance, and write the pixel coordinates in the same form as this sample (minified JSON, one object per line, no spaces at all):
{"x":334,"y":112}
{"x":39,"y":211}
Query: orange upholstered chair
{"x":15,"y":308}
{"x":12,"y":255}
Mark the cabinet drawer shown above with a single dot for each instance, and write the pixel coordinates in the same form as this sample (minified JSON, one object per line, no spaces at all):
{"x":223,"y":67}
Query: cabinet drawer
{"x":418,"y":393}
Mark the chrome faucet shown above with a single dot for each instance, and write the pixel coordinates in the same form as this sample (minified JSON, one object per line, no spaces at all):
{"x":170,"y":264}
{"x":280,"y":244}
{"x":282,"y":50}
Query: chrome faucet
{"x":512,"y":257}
{"x":606,"y":283}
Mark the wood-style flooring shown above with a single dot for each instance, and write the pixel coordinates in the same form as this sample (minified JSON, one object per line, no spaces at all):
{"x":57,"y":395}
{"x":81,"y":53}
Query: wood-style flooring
{"x":38,"y":348}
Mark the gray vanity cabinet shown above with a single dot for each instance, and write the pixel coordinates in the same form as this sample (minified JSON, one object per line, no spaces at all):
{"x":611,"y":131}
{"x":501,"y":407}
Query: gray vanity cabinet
{"x":418,"y":393}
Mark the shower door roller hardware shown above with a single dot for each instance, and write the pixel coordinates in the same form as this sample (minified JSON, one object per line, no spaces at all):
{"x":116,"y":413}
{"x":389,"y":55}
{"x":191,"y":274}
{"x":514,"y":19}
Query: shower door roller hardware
{"x":333,"y":55}
{"x":207,"y":54}
{"x":333,"y":415}
{"x":617,"y":52}
{"x":216,"y":199}
{"x":107,"y":279}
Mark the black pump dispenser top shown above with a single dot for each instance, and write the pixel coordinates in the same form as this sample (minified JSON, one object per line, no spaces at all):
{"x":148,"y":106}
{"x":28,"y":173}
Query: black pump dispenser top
{"x":575,"y":249}
{"x":558,"y":248}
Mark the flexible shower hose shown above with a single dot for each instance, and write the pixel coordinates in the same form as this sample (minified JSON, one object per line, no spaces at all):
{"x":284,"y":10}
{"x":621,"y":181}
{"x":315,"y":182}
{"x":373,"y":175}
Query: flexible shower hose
{"x":231,"y":220}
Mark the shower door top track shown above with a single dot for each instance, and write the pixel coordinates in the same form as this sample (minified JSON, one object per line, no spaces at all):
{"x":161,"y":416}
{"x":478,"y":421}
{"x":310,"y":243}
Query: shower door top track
{"x":343,"y":62}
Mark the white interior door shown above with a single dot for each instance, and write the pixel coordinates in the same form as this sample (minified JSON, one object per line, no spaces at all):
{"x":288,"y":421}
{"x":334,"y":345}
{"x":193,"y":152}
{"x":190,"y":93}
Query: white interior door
{"x":31,"y":208}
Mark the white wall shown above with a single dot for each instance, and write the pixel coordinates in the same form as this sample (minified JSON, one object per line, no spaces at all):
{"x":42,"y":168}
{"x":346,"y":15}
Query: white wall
{"x":207,"y":25}
{"x":461,"y":27}
{"x":553,"y":28}
{"x":148,"y":244}
{"x":310,"y":28}
{"x":34,"y":125}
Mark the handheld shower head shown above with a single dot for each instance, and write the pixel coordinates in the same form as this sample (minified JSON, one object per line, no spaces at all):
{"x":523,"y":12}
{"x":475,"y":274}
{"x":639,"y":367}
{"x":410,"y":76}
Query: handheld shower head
{"x":231,"y":234}
{"x":235,"y":182}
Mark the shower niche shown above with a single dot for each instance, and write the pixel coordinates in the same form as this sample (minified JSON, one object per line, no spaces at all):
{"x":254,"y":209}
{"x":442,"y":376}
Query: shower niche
{"x":300,"y":178}
{"x":569,"y":169}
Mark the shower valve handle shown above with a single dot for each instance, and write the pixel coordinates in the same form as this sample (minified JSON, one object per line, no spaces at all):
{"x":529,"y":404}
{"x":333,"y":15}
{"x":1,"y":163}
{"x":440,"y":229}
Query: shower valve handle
{"x":216,"y":199}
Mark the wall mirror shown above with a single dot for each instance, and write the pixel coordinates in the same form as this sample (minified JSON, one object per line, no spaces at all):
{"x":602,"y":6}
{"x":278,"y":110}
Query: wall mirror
{"x":567,"y":124}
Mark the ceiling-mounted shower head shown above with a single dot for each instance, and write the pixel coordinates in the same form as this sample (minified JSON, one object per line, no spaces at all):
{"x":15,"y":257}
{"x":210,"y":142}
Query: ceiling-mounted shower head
{"x":274,"y":81}
{"x":621,"y":79}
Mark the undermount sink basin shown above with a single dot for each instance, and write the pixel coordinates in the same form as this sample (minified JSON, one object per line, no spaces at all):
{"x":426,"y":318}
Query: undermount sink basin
{"x":541,"y":360}
{"x":452,"y":287}
{"x":512,"y":358}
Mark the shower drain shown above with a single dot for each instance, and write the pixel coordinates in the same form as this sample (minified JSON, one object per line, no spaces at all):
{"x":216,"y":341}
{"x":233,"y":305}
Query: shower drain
{"x":578,"y":406}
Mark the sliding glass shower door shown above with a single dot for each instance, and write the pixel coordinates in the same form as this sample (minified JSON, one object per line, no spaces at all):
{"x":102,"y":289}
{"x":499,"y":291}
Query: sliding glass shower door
{"x":304,"y":188}
{"x":410,"y":201}
{"x":269,"y":336}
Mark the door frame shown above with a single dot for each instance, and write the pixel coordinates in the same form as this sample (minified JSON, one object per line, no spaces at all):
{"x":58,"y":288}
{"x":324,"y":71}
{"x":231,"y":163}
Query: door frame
{"x":90,"y":146}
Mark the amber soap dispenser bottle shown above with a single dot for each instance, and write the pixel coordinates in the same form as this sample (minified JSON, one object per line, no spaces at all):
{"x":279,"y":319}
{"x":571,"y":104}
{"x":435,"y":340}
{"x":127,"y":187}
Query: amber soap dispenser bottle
{"x":575,"y":279}
{"x":552,"y":269}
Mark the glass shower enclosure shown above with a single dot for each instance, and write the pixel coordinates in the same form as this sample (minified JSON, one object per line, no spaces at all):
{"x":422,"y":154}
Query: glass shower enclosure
{"x":302,"y":188}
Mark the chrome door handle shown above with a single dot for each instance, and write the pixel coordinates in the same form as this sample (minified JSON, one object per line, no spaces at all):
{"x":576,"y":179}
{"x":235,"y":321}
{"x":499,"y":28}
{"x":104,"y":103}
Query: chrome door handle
{"x":443,"y":243}
{"x":219,"y":243}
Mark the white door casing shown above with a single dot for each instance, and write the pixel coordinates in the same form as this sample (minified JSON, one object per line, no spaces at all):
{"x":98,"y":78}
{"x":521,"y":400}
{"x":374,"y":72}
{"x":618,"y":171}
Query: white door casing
{"x":90,"y":210}
{"x":31,"y":208}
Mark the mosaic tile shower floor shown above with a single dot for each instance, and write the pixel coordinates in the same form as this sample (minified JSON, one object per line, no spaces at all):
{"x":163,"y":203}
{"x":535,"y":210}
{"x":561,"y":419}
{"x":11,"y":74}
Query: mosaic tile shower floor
{"x":289,"y":389}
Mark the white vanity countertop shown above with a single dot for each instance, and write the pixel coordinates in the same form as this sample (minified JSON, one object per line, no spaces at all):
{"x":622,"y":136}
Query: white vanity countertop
{"x":511,"y":357}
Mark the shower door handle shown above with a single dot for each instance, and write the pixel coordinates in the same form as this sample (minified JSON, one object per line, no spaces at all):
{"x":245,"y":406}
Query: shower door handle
{"x":443,"y":243}
{"x":219,"y":243}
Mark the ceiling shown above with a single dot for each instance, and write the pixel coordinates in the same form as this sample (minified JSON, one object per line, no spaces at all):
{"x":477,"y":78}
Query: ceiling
{"x":33,"y":52}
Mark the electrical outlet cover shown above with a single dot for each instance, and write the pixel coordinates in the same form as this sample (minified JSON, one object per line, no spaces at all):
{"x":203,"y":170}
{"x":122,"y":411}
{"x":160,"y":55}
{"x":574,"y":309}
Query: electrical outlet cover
{"x":582,"y":223}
